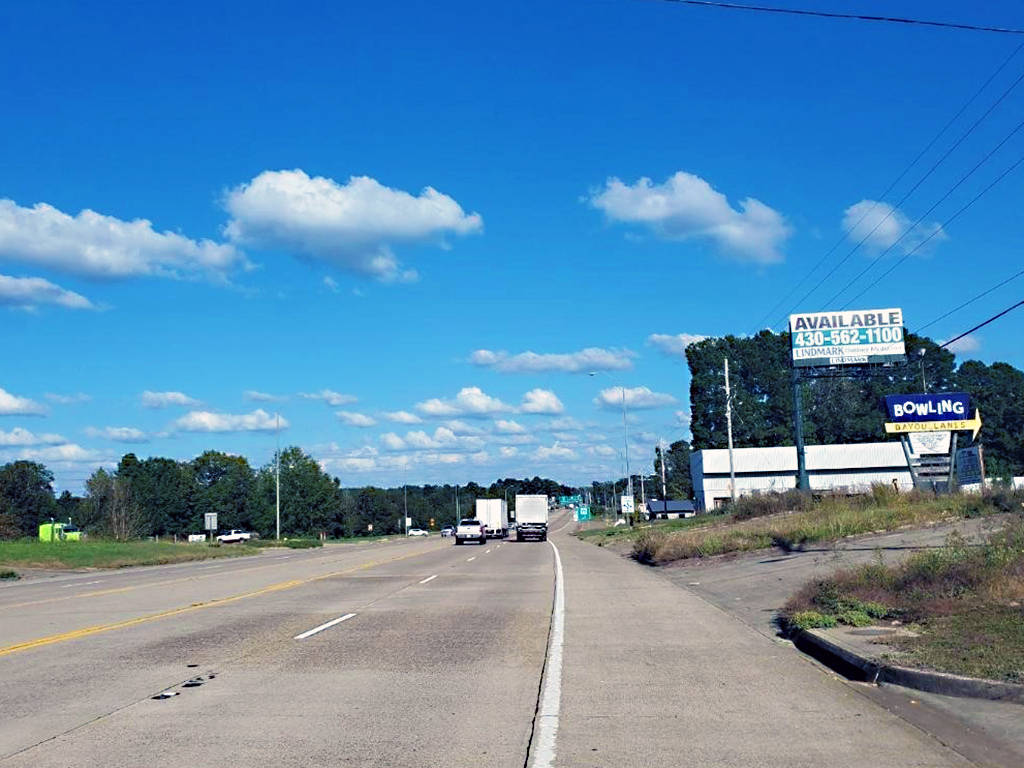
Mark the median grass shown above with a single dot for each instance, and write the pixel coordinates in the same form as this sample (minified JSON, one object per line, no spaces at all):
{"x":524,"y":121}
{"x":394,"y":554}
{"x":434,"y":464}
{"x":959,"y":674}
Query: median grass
{"x":30,"y":553}
{"x":813,"y":521}
{"x":963,"y":602}
{"x":288,"y":543}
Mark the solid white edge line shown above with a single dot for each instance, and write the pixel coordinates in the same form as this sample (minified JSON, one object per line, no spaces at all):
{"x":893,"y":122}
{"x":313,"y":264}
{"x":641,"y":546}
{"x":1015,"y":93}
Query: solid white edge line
{"x":429,"y":578}
{"x":546,"y":729}
{"x":322,"y":627}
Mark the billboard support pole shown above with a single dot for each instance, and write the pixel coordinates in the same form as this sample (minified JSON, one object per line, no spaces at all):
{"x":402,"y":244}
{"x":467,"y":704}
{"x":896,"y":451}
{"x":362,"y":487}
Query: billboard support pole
{"x":952,"y":464}
{"x":905,"y":442}
{"x":798,"y":432}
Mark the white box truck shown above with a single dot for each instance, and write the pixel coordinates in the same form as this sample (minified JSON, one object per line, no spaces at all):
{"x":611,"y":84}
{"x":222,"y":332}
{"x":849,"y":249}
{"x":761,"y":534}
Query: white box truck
{"x":531,"y":517}
{"x":493,"y":513}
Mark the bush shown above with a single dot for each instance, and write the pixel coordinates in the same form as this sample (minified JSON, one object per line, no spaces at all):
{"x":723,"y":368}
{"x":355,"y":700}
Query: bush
{"x":760,"y":505}
{"x":855,"y":618}
{"x":810,"y":620}
{"x":7,"y":573}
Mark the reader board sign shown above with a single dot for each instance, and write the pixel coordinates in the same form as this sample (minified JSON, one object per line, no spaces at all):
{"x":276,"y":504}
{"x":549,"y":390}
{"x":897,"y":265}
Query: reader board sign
{"x":947,"y":406}
{"x":853,"y":337}
{"x":970,"y":465}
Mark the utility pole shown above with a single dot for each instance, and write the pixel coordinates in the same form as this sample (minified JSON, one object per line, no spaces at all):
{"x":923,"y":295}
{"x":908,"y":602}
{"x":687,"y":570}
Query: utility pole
{"x":728,"y":420}
{"x":661,"y":450}
{"x":277,"y":471}
{"x":924,"y":382}
{"x":458,"y":515}
{"x":802,"y":482}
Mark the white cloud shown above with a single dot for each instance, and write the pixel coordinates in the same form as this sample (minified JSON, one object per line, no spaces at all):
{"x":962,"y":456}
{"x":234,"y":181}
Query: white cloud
{"x":507,"y":452}
{"x":331,"y":284}
{"x":542,"y":401}
{"x":97,"y":246}
{"x":687,"y":207}
{"x":262,"y":397}
{"x":674,"y":345}
{"x":556,"y":451}
{"x":208,"y":421}
{"x":471,"y":401}
{"x":966,"y":345}
{"x":602,"y":450}
{"x":565,"y":423}
{"x":80,"y":397}
{"x":67,"y":452}
{"x":881,"y":226}
{"x":32,"y":292}
{"x":509,"y":427}
{"x":167,"y":399}
{"x":13,"y":405}
{"x":636,"y":398}
{"x":392,"y":441}
{"x":683,"y":418}
{"x":352,"y":225}
{"x":402,"y":417}
{"x":119,"y":434}
{"x":460,"y":427}
{"x":22,"y":437}
{"x":330,"y":397}
{"x":356,"y":419}
{"x":590,"y":359}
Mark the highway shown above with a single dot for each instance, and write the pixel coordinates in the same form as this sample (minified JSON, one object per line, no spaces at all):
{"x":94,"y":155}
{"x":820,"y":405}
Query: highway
{"x":416,"y":653}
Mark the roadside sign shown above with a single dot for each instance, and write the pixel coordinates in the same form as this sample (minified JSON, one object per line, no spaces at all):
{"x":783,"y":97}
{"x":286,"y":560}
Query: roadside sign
{"x":582,"y":513}
{"x":211,"y":521}
{"x":933,"y":443}
{"x":970,"y":465}
{"x":953,"y":425}
{"x":948,"y":405}
{"x":627,"y":504}
{"x":854,"y":337}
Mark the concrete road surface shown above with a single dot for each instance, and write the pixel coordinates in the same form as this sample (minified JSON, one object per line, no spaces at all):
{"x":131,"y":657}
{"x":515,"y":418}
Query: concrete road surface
{"x":415,"y":653}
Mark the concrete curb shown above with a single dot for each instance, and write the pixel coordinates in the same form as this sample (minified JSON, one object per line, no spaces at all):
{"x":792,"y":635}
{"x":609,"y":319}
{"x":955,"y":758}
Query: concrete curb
{"x":852,"y":664}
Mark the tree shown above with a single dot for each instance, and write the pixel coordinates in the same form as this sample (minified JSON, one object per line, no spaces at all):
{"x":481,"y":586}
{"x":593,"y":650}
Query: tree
{"x":677,"y":470}
{"x":224,"y":485}
{"x":997,"y":391}
{"x":123,"y":519}
{"x":164,"y":490}
{"x":26,"y":497}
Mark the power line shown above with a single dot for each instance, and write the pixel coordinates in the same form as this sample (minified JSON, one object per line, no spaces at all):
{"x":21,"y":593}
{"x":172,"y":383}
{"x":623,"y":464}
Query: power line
{"x":945,"y":155}
{"x":969,"y":301}
{"x":892,"y":186}
{"x":924,"y":215}
{"x":982,"y":325}
{"x":946,"y":223}
{"x":847,"y":16}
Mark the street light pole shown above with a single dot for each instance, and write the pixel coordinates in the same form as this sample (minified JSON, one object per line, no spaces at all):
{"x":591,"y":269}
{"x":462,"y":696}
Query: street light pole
{"x":277,"y":472}
{"x":625,"y":436}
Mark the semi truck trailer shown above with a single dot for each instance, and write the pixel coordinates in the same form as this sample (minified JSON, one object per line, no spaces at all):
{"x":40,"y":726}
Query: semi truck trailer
{"x":493,"y":513}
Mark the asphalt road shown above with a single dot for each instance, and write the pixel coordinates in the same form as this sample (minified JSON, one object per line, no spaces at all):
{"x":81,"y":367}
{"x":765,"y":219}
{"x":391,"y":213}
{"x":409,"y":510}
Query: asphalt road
{"x":441,"y":662}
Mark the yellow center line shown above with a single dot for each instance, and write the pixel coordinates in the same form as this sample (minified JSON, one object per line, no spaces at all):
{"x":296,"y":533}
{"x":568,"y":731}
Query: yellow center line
{"x":86,"y":631}
{"x":147,"y":585}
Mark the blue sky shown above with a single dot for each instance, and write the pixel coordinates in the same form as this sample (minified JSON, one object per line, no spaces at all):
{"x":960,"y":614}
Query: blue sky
{"x":414,"y":228}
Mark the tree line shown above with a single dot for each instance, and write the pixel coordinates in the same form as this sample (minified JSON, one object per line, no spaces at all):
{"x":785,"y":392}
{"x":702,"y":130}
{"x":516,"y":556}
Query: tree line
{"x":163,"y":497}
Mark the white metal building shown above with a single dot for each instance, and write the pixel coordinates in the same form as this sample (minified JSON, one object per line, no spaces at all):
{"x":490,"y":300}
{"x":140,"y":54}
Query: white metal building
{"x":837,"y":468}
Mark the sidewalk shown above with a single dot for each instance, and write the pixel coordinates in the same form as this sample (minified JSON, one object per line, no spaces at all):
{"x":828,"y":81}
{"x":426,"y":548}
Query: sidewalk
{"x":656,"y":676}
{"x":753,"y":587}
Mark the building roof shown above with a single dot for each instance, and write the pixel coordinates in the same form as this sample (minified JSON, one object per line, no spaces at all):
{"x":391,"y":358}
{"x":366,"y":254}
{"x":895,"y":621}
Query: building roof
{"x":670,"y":506}
{"x":820,"y":458}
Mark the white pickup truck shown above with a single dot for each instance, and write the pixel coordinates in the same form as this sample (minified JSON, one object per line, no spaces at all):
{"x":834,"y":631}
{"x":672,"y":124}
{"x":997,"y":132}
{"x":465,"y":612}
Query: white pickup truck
{"x":470,"y":530}
{"x":233,"y":537}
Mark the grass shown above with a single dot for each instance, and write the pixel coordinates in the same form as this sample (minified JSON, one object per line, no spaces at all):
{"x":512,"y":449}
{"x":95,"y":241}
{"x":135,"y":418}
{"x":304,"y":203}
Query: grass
{"x":289,"y":543}
{"x":30,"y":553}
{"x":828,"y":519}
{"x":623,"y":533}
{"x":963,"y":601}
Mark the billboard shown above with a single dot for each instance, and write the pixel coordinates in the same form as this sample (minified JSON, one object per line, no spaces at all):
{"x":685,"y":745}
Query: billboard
{"x":852,"y":337}
{"x":945,"y":406}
